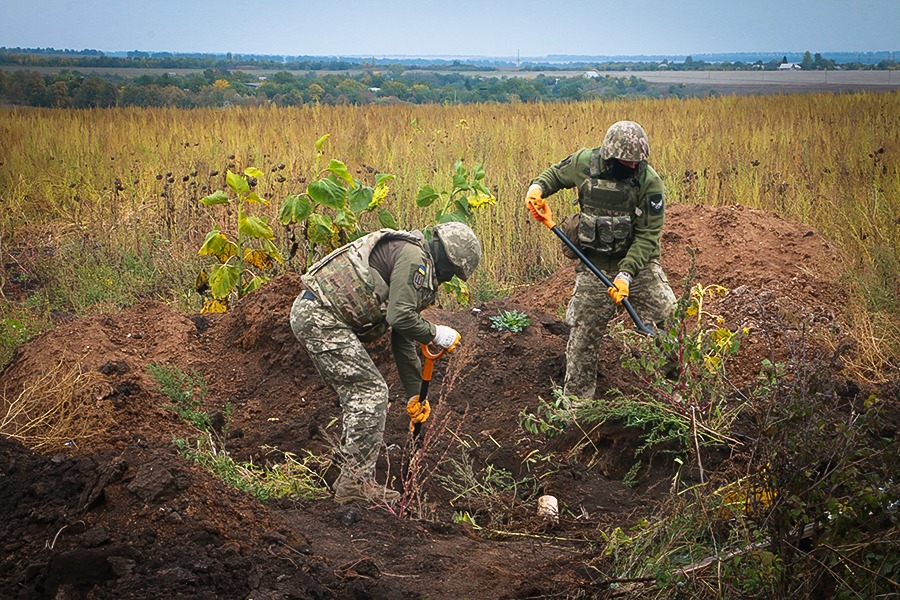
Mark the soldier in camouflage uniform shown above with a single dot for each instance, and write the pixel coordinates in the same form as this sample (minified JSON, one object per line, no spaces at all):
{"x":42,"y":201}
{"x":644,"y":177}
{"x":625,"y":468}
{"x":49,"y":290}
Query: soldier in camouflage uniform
{"x":618,"y":230}
{"x":381,"y":280}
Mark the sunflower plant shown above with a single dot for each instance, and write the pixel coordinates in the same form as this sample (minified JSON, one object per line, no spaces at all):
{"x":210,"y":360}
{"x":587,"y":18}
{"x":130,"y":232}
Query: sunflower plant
{"x":467,"y":195}
{"x":246,"y":256}
{"x":333,"y":209}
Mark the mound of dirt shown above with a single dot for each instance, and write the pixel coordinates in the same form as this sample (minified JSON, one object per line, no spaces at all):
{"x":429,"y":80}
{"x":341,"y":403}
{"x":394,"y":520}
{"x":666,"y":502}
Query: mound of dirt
{"x":120,"y":514}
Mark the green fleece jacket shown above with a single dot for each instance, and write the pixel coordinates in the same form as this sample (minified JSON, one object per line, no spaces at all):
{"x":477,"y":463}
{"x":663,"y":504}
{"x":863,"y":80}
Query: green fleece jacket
{"x":574,"y":169}
{"x":404,"y":267}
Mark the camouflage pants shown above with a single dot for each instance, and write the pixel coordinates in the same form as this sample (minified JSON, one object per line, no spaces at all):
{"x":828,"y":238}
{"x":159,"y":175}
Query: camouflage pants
{"x":342,"y":361}
{"x":589,"y":310}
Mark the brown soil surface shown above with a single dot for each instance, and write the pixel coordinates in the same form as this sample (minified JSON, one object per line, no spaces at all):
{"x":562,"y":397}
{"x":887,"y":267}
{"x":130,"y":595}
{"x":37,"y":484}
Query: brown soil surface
{"x":121,"y":514}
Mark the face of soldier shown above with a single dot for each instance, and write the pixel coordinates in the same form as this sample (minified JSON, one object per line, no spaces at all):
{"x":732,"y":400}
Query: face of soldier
{"x":623,"y":169}
{"x":442,"y":267}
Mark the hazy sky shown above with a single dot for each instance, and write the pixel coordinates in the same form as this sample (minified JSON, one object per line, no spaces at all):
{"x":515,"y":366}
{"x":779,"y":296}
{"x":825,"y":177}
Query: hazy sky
{"x":527,"y":28}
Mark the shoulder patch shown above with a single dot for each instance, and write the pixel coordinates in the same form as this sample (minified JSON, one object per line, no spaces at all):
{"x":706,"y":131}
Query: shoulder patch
{"x":418,"y":276}
{"x":656,"y":203}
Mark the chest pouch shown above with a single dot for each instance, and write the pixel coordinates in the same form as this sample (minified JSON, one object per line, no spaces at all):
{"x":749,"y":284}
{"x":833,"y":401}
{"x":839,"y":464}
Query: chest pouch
{"x":607,"y":216}
{"x":610,"y":236}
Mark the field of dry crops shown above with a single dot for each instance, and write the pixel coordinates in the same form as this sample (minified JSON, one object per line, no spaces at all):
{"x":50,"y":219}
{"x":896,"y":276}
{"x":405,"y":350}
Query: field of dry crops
{"x":130,"y":179}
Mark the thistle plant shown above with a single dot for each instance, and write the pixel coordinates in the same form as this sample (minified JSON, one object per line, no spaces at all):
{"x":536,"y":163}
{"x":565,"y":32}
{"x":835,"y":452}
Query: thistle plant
{"x":510,"y":320}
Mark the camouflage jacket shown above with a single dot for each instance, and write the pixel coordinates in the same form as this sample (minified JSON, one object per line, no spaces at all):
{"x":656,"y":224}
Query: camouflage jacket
{"x":573,"y":170}
{"x":346,"y":283}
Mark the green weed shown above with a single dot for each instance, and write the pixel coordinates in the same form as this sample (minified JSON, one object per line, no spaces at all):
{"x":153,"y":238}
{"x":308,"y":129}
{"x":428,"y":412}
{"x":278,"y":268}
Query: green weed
{"x":186,"y":391}
{"x":630,"y":478}
{"x":510,"y":320}
{"x":802,"y":519}
{"x":549,"y":418}
{"x":465,"y":482}
{"x":683,"y":551}
{"x":684,"y":393}
{"x":295,"y":477}
{"x":19,"y":324}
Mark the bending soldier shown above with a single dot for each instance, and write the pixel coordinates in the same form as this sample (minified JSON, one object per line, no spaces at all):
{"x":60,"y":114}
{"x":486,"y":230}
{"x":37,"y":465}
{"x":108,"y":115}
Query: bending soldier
{"x":382,"y":280}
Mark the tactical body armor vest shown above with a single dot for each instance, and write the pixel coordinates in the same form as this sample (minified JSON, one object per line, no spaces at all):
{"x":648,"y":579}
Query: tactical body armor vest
{"x":344,"y":282}
{"x":609,"y":209}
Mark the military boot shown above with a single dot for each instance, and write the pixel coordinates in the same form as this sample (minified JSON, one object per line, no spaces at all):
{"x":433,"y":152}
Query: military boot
{"x":354,"y":490}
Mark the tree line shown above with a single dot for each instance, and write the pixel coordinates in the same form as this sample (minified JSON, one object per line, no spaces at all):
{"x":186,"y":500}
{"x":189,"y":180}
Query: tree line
{"x":213,"y":88}
{"x":84,"y":59}
{"x":298,"y":82}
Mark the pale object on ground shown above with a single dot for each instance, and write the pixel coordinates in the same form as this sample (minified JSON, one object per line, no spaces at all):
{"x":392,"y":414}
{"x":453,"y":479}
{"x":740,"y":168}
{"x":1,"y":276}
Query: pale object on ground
{"x":548,"y":507}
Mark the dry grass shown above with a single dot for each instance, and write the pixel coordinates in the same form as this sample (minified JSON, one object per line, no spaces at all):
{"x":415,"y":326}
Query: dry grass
{"x":831,"y":161}
{"x":814,"y":158}
{"x":876,"y":336}
{"x":49,"y":413}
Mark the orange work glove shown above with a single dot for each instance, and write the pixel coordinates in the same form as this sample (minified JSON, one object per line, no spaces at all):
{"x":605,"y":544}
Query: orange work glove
{"x":534,"y":200}
{"x":619,"y":291}
{"x":418,"y":412}
{"x":539,"y":209}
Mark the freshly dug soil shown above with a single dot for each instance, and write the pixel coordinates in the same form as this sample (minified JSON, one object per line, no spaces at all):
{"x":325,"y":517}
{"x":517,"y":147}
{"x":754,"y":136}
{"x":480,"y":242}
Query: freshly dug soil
{"x":119,"y":513}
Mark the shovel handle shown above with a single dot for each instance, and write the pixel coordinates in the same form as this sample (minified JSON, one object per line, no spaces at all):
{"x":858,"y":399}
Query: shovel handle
{"x":639,"y":325}
{"x":427,"y":372}
{"x":428,"y":367}
{"x":428,"y":354}
{"x":544,"y":215}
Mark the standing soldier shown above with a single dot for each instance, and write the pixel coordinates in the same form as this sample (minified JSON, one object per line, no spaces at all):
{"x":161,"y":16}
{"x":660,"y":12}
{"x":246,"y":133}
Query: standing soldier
{"x":618,"y":230}
{"x":383,"y":279}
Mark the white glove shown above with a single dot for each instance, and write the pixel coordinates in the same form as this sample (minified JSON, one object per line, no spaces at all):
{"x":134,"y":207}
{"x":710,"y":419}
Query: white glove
{"x":626,"y":276}
{"x":446,"y":337}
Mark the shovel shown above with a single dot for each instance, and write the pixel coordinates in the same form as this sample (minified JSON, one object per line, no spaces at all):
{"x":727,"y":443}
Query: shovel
{"x":545,"y":216}
{"x":427,"y":370}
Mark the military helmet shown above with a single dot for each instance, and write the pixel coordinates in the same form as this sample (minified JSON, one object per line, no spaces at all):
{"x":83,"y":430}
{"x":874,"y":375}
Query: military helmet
{"x":625,"y":140}
{"x":461,"y":247}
